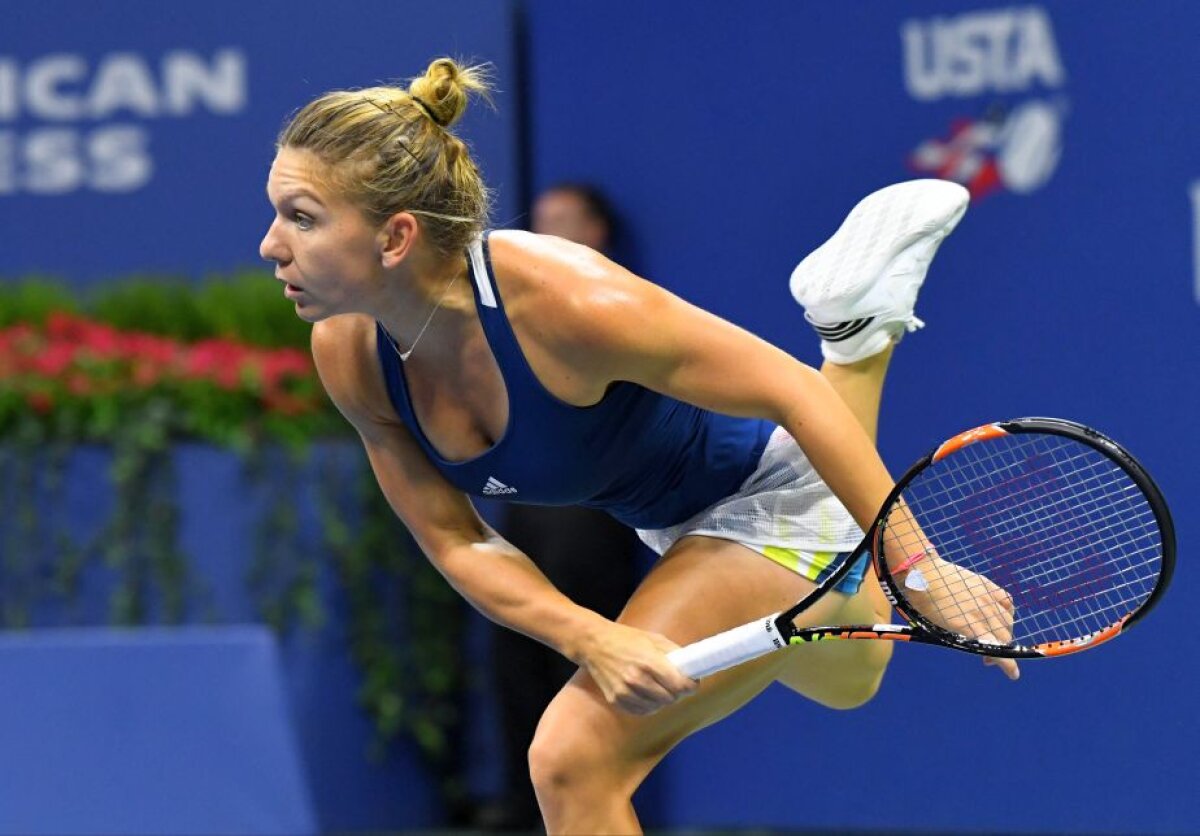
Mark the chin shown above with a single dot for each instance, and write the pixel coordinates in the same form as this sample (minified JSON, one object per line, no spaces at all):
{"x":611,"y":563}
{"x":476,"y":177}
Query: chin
{"x":311,"y":313}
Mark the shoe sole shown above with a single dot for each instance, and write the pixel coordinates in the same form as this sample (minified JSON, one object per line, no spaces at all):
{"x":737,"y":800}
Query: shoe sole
{"x":881,"y":227}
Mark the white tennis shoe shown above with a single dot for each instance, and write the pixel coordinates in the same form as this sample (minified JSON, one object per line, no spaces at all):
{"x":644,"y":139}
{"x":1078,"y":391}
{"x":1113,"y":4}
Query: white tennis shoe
{"x":859,"y":288}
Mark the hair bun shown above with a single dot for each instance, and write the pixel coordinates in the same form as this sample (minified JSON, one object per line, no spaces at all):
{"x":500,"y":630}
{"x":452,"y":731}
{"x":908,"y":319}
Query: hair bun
{"x":444,"y":90}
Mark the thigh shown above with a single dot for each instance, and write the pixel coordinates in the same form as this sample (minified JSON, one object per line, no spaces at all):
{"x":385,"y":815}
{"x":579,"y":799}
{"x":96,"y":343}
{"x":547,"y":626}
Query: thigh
{"x":839,"y":673}
{"x":700,"y":587}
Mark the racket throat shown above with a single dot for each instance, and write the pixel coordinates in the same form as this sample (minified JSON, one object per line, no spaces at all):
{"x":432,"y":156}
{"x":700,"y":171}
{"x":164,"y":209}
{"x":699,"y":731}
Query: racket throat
{"x":782,"y":627}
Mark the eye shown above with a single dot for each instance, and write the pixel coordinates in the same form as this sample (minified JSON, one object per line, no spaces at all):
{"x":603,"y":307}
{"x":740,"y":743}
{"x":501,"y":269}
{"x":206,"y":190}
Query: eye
{"x":303,"y":221}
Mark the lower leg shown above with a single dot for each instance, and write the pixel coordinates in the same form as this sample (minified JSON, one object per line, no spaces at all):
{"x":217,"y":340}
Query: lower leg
{"x":587,"y":757}
{"x":860,"y":386}
{"x":891,"y":238}
{"x":579,"y":789}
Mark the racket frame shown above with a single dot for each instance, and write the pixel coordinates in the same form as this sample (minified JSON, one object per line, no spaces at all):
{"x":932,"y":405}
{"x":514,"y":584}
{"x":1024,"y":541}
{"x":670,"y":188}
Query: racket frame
{"x":921,"y":629}
{"x":775,"y":631}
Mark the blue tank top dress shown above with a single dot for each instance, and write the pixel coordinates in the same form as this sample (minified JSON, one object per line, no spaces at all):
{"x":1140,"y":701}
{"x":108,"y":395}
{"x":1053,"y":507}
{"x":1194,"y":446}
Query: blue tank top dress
{"x":649,"y":460}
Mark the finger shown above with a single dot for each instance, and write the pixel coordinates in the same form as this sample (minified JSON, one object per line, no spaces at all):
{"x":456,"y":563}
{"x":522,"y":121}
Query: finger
{"x":636,"y":707}
{"x":1007,"y":666}
{"x":1004,"y":600}
{"x":627,"y":695}
{"x":650,"y":688}
{"x":675,"y":682}
{"x":669,"y":676}
{"x":635,"y":703}
{"x":1010,"y":669}
{"x":994,"y":623}
{"x":1000,"y":626}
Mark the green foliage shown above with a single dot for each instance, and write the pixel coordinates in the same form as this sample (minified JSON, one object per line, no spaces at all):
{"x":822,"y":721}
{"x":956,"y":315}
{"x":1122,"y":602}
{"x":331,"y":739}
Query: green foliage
{"x":246,"y":305}
{"x":140,"y":364}
{"x":153,"y":305}
{"x":411,"y":688}
{"x":33,"y":299}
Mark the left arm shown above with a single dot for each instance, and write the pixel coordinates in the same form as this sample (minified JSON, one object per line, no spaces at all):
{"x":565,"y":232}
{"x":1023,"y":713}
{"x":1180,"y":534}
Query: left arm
{"x":642,"y":333}
{"x":660,"y":341}
{"x":608,"y":325}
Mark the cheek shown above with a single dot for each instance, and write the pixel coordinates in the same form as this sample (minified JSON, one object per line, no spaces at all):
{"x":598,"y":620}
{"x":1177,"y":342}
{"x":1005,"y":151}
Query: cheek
{"x":347,"y":263}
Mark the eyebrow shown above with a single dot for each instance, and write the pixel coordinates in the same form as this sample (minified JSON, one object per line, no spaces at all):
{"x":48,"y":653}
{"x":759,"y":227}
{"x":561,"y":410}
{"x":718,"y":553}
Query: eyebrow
{"x":295,"y":193}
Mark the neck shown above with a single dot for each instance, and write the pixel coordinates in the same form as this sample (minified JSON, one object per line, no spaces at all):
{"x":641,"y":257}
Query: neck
{"x":426,"y":308}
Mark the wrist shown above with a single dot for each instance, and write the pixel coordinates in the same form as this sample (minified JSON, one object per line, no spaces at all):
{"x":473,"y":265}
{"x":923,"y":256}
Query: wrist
{"x":582,"y":635}
{"x":909,"y":562}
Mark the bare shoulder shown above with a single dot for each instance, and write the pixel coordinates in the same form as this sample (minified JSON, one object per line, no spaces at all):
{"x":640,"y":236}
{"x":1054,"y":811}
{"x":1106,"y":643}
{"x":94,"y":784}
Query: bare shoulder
{"x":566,"y":294}
{"x":344,"y":352}
{"x":604,"y":324}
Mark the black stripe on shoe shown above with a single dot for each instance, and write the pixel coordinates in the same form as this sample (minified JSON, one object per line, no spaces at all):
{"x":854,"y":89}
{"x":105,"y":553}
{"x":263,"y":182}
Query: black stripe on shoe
{"x":836,"y":332}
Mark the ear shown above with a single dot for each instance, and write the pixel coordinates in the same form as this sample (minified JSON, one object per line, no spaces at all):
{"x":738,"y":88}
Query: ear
{"x":397,"y":238}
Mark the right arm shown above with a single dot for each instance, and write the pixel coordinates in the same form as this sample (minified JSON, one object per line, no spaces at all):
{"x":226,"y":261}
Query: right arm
{"x":493,"y":575}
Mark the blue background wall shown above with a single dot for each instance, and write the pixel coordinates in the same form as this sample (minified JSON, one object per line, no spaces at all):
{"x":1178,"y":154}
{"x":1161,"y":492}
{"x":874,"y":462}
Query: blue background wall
{"x":734,"y":143}
{"x":202,"y":204}
{"x":734,"y":140}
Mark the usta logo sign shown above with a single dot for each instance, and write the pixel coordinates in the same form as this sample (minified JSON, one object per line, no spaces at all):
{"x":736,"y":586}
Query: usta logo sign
{"x":1003,"y":51}
{"x":1013,"y":146}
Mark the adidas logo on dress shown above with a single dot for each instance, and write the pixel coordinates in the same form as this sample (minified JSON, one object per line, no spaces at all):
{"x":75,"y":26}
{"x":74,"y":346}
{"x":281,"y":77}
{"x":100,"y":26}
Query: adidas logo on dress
{"x":495,"y":487}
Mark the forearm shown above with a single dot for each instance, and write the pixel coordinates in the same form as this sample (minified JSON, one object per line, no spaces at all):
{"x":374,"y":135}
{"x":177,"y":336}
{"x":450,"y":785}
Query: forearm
{"x":505,"y":585}
{"x":838,"y":448}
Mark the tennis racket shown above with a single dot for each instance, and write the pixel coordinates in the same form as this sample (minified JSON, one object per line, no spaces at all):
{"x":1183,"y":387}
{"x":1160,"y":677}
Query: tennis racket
{"x":1052,"y":530}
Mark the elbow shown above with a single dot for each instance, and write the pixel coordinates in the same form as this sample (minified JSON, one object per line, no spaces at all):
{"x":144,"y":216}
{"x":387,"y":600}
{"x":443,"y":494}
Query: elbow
{"x":447,"y":548}
{"x":808,"y":391}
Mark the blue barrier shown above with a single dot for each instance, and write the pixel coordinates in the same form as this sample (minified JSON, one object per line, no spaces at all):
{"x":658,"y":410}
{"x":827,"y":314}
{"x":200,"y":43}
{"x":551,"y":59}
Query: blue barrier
{"x":220,"y":512}
{"x":151,"y":731}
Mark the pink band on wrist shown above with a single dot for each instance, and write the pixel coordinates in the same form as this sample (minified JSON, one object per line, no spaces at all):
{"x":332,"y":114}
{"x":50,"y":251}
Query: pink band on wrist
{"x":909,"y":562}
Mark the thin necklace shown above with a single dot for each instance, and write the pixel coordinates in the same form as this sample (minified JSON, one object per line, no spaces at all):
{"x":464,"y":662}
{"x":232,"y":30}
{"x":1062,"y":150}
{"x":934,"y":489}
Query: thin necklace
{"x":404,"y":355}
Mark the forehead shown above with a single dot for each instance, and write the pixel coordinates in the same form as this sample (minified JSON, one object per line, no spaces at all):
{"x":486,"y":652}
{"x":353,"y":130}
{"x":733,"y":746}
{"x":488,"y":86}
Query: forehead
{"x":295,"y":170}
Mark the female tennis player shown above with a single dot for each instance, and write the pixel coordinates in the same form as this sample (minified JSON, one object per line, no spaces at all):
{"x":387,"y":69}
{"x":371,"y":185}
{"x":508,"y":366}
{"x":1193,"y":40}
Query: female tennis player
{"x":531,"y":369}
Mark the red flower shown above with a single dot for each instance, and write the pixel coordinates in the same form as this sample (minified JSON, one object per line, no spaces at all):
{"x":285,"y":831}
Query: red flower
{"x":284,"y":363}
{"x":219,"y":361}
{"x":149,"y":348}
{"x":79,"y":385}
{"x":89,"y":361}
{"x":53,"y":360}
{"x":41,"y":402}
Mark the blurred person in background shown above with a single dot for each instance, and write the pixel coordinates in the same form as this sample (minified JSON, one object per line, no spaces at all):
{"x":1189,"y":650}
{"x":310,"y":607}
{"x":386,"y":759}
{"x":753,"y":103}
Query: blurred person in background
{"x":589,"y":556}
{"x":521,"y":366}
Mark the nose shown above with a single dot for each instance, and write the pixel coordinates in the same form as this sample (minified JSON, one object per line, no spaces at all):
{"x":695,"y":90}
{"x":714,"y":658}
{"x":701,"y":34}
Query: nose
{"x":271,"y":248}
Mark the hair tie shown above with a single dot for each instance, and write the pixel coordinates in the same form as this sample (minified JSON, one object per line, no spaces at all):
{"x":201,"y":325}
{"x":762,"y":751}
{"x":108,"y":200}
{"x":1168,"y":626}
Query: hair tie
{"x":428,"y":111}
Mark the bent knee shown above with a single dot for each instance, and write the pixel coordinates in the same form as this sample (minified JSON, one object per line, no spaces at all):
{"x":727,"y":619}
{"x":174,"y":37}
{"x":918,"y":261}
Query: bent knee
{"x":856,"y":692}
{"x":551,"y":769}
{"x":564,"y":756}
{"x":861,"y":683}
{"x":842,"y":677}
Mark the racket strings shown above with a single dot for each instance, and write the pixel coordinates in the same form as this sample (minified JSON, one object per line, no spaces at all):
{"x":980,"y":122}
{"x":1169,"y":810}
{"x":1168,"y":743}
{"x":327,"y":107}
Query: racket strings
{"x":1063,"y":529}
{"x":1071,"y":596}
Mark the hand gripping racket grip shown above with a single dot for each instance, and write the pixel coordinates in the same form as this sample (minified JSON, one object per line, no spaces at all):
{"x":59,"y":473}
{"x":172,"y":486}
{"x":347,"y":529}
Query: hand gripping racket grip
{"x":724,"y":650}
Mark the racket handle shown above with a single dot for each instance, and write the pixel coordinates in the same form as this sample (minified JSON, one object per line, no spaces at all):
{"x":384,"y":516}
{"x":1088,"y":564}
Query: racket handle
{"x":724,"y":650}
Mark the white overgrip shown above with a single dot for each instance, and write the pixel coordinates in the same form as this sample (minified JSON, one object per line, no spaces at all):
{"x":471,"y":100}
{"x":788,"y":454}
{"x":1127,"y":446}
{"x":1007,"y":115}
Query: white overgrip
{"x":724,"y":650}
